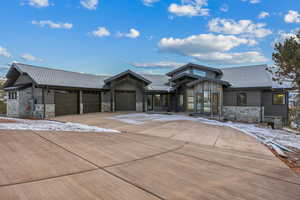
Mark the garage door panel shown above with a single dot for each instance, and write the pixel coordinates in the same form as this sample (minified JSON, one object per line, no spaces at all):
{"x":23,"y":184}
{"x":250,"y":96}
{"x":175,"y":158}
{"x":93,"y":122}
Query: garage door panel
{"x":125,"y":100}
{"x":66,"y":103}
{"x":91,"y":102}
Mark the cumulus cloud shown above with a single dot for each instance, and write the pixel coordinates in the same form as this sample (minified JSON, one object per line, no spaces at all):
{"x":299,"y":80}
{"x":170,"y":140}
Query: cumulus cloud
{"x":39,"y":3}
{"x":283,"y":35}
{"x":53,"y":25}
{"x":101,"y":32}
{"x":292,"y":17}
{"x":212,"y":48}
{"x":189,"y":8}
{"x":231,"y":58}
{"x":161,"y":64}
{"x":263,"y":15}
{"x":149,"y":2}
{"x":203,"y":43}
{"x":29,"y":57}
{"x":246,"y":27}
{"x":133,"y":33}
{"x":89,"y":4}
{"x":4,"y":52}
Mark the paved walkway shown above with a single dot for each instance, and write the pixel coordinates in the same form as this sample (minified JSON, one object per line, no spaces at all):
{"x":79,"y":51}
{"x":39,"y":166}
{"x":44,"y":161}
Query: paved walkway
{"x":158,"y":160}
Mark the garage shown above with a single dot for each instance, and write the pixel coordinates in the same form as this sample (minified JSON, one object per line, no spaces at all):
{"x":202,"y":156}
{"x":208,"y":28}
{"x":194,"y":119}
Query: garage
{"x":125,"y":100}
{"x":66,"y":103}
{"x":91,"y":102}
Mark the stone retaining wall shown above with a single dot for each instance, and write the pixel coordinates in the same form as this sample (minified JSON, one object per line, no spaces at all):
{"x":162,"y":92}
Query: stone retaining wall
{"x":251,"y":114}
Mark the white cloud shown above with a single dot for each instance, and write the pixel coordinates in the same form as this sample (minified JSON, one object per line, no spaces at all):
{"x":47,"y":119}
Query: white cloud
{"x":246,"y":27}
{"x":263,"y":15}
{"x":224,"y":8}
{"x":212,"y":48}
{"x":252,"y":1}
{"x":202,"y":43}
{"x":101,"y":32}
{"x":282,"y":35}
{"x":189,"y":8}
{"x":149,"y":2}
{"x":29,"y":57}
{"x":89,"y":4}
{"x":231,"y":58}
{"x":292,"y":17}
{"x":39,"y":3}
{"x":161,"y":64}
{"x":53,"y":25}
{"x":4,"y":52}
{"x":133,"y":33}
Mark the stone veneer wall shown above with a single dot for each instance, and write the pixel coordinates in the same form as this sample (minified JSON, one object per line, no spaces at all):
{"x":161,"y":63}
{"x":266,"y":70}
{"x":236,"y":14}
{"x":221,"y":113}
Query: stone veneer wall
{"x":251,"y":114}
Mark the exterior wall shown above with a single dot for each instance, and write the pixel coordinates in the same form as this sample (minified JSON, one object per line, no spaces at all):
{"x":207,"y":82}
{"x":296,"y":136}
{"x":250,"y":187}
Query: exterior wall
{"x":38,"y":109}
{"x":12,"y":106}
{"x":253,"y":97}
{"x":106,"y":101}
{"x":22,"y":106}
{"x":274,"y":110}
{"x":251,"y":114}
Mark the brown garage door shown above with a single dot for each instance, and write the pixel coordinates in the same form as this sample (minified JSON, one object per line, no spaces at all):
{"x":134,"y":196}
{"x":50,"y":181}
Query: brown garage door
{"x":91,"y":102}
{"x":66,"y":103}
{"x":125,"y":101}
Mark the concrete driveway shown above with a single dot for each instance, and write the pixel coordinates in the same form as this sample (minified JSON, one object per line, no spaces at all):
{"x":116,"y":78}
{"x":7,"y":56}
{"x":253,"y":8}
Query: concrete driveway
{"x":158,"y":160}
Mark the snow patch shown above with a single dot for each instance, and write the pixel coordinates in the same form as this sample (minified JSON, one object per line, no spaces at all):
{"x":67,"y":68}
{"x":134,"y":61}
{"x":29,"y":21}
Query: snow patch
{"x":265,"y":135}
{"x":44,"y":125}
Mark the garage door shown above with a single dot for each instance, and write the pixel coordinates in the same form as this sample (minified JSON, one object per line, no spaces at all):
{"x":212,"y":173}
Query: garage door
{"x":125,"y":100}
{"x":91,"y":102}
{"x":66,"y":103}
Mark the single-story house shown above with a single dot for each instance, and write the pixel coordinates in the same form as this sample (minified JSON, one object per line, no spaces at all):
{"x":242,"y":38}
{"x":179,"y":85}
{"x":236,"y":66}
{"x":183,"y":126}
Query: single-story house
{"x":240,"y":93}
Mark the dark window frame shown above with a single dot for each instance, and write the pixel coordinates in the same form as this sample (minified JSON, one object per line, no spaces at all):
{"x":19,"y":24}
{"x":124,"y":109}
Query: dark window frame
{"x":239,"y":100}
{"x":12,"y":95}
{"x":279,"y":93}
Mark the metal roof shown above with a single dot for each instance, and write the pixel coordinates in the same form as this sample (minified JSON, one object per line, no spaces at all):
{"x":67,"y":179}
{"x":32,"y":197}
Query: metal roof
{"x":158,"y":82}
{"x":250,"y":77}
{"x":201,"y":79}
{"x":55,"y":77}
{"x":200,"y":67}
{"x":125,"y":73}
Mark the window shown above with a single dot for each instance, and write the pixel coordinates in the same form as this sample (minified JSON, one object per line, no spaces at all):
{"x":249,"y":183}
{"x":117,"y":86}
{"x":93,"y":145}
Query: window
{"x":12,"y":95}
{"x":242,"y":99}
{"x":279,"y":99}
{"x":149,"y":102}
{"x":181,"y":100}
{"x":190,"y":100}
{"x":199,"y":72}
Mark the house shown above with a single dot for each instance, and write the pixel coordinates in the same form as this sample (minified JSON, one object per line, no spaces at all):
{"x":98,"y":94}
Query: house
{"x":240,"y":93}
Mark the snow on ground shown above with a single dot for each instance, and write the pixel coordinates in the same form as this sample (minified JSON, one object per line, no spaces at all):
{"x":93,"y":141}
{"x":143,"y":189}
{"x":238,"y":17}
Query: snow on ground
{"x":44,"y":125}
{"x":264,"y":135}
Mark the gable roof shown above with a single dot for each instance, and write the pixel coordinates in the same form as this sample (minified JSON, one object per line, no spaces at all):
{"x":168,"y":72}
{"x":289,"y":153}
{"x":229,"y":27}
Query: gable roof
{"x":250,"y":77}
{"x":55,"y":77}
{"x":158,"y":82}
{"x":126,"y":73}
{"x":185,"y":75}
{"x":195,"y":66}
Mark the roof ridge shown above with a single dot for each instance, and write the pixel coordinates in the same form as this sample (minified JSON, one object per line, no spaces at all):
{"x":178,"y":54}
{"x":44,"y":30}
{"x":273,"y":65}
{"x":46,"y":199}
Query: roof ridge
{"x":53,"y":69}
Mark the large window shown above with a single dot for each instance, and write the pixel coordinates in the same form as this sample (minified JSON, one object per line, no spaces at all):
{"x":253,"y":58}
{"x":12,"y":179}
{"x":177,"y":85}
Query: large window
{"x":190,"y":100}
{"x":199,"y":72}
{"x":279,"y":99}
{"x":12,"y":95}
{"x":242,"y":99}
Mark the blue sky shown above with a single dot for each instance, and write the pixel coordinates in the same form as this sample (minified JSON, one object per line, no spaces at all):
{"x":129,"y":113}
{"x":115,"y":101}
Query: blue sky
{"x":150,"y":36}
